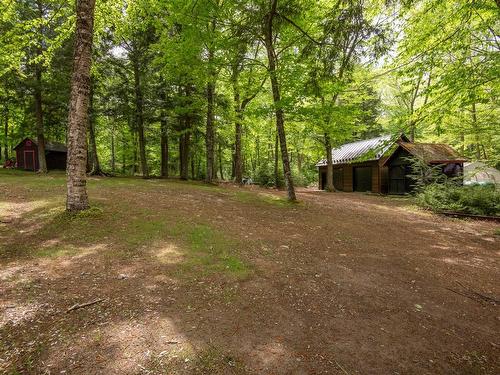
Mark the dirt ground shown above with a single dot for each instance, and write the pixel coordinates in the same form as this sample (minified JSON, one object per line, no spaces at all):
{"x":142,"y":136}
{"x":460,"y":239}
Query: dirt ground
{"x":195,"y":279}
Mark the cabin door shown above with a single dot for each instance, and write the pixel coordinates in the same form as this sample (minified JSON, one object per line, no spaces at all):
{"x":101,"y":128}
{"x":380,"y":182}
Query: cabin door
{"x":397,"y":180}
{"x":323,"y":181}
{"x":338,"y":178}
{"x":29,"y":160}
{"x":362,"y":179}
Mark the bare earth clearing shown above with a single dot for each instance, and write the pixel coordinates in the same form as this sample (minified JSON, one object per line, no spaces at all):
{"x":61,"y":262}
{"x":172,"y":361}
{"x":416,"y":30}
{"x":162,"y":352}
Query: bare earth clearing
{"x":223,"y":280}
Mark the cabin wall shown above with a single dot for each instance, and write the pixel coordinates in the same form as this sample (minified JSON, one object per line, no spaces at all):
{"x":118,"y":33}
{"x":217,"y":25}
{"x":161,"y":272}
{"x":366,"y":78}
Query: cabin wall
{"x":345,"y":176}
{"x":348,"y":177}
{"x":56,"y":160}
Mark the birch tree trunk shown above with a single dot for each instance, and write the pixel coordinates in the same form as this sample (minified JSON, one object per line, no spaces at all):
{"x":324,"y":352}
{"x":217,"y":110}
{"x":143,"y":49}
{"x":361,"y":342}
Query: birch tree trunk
{"x":76,"y":198}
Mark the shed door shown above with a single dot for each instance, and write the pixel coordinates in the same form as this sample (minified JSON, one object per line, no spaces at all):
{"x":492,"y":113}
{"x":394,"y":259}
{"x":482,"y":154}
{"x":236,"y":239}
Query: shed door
{"x":29,"y":160}
{"x":362,"y":179}
{"x":323,"y":181}
{"x":397,"y":180}
{"x":338,"y":178}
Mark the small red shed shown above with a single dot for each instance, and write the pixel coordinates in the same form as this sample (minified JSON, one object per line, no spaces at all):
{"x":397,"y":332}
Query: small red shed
{"x":27,"y":155}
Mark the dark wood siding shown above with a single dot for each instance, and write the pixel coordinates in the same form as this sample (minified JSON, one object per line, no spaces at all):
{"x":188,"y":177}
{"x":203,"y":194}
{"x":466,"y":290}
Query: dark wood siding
{"x":348,"y":185}
{"x":344,"y":180}
{"x":362,"y":178}
{"x":338,"y":178}
{"x":56,"y":160}
{"x":399,"y":169}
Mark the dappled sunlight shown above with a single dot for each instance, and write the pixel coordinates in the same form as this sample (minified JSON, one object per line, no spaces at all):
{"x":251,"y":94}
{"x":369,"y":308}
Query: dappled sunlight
{"x":474,"y":262}
{"x":440,"y":247}
{"x":127,"y":347}
{"x":15,"y":313}
{"x":15,"y":210}
{"x":271,"y":353}
{"x":212,"y":281}
{"x":168,"y":254}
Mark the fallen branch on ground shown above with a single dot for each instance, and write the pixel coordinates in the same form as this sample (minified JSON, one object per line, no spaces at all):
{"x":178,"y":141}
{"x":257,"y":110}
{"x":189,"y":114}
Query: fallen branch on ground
{"x":82,"y":305}
{"x":473,"y":295}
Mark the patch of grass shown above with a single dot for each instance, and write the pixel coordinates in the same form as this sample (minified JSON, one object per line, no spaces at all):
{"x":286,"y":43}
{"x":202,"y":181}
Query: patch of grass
{"x":125,"y":228}
{"x":496,"y":232}
{"x":213,"y":360}
{"x":142,"y":230}
{"x":209,"y":250}
{"x":56,"y":251}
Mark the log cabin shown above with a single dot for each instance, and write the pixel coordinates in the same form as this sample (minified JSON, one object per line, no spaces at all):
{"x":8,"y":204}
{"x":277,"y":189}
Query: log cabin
{"x":380,"y":165}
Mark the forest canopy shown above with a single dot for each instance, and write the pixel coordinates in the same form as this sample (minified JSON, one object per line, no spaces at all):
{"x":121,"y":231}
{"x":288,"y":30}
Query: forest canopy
{"x":259,"y":89}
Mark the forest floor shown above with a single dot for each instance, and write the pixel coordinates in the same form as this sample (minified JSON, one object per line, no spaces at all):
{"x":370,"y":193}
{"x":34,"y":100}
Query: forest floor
{"x":198,"y":279}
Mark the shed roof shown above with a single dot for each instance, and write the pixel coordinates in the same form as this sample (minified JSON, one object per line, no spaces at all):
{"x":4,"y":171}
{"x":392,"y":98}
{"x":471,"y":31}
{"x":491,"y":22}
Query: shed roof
{"x":55,"y":146}
{"x":432,"y":152}
{"x":49,"y":146}
{"x":369,"y":149}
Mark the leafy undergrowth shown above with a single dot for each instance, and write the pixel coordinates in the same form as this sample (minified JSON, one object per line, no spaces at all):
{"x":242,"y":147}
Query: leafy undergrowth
{"x":476,"y":200}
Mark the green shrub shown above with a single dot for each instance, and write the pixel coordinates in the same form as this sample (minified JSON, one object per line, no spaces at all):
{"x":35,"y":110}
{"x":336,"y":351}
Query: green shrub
{"x":476,"y":200}
{"x":265,"y":176}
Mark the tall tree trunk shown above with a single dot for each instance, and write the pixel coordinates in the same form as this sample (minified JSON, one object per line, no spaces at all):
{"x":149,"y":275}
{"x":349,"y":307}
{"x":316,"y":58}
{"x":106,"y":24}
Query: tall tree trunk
{"x":184,"y":150}
{"x":238,"y":163}
{"x":221,"y":169}
{"x":276,"y":164}
{"x":95,"y":166}
{"x":77,"y":198}
{"x":113,"y":149}
{"x":210,"y":132}
{"x":193,"y":164}
{"x":134,"y":156}
{"x":329,"y":163}
{"x":42,"y":163}
{"x":164,"y":140}
{"x":124,"y":148}
{"x":6,"y":134}
{"x":280,"y":118}
{"x":139,"y":117}
{"x":476,"y":131}
{"x":257,"y":156}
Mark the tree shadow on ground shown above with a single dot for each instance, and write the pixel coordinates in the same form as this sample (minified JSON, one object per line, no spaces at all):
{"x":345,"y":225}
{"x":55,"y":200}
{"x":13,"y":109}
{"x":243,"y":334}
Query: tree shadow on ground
{"x":200,"y":284}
